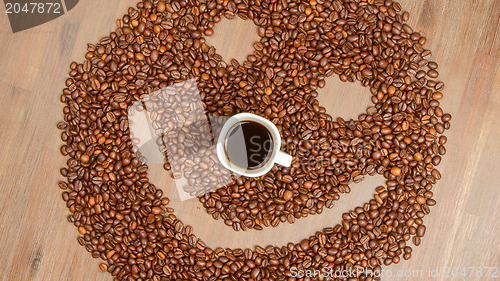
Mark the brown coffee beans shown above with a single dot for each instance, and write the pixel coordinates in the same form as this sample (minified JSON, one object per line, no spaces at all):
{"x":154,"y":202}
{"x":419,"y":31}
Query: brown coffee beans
{"x":125,"y":220}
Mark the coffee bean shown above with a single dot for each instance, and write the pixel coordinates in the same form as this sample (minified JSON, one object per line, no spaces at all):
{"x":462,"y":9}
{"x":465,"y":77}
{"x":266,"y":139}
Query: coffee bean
{"x":396,"y":171}
{"x":416,"y":240}
{"x":432,"y":73}
{"x":420,"y":230}
{"x":103,"y":267}
{"x":287,"y":195}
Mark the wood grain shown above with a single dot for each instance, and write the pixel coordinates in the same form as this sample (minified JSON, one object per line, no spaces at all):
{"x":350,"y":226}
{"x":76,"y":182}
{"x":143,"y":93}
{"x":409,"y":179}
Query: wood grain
{"x":38,"y":243}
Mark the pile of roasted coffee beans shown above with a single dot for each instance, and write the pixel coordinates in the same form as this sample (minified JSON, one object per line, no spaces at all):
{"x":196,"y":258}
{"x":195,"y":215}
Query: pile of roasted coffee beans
{"x":125,"y":220}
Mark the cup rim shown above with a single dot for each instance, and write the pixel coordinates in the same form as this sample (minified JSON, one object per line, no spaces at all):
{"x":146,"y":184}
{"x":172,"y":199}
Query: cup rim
{"x":241,"y":117}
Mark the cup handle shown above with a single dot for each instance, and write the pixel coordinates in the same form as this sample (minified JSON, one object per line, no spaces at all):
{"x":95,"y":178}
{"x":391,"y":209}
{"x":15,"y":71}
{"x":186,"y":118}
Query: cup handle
{"x":283,"y":159}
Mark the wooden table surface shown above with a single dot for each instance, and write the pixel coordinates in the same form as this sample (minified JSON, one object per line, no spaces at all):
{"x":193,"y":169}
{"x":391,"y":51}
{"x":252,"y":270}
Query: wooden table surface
{"x":38,"y":243}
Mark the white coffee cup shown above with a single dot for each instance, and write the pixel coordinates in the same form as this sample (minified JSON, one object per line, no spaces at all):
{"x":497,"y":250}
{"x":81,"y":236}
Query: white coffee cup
{"x":276,"y":155}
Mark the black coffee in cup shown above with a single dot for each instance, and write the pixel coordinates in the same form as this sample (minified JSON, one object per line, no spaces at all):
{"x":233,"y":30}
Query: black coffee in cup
{"x":248,"y":145}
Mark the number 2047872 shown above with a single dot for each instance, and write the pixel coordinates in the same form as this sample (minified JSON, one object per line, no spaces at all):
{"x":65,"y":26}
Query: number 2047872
{"x":33,"y":8}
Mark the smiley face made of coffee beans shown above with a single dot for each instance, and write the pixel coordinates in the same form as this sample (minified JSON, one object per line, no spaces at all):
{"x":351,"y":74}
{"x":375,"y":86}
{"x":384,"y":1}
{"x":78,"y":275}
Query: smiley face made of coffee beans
{"x":125,"y":220}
